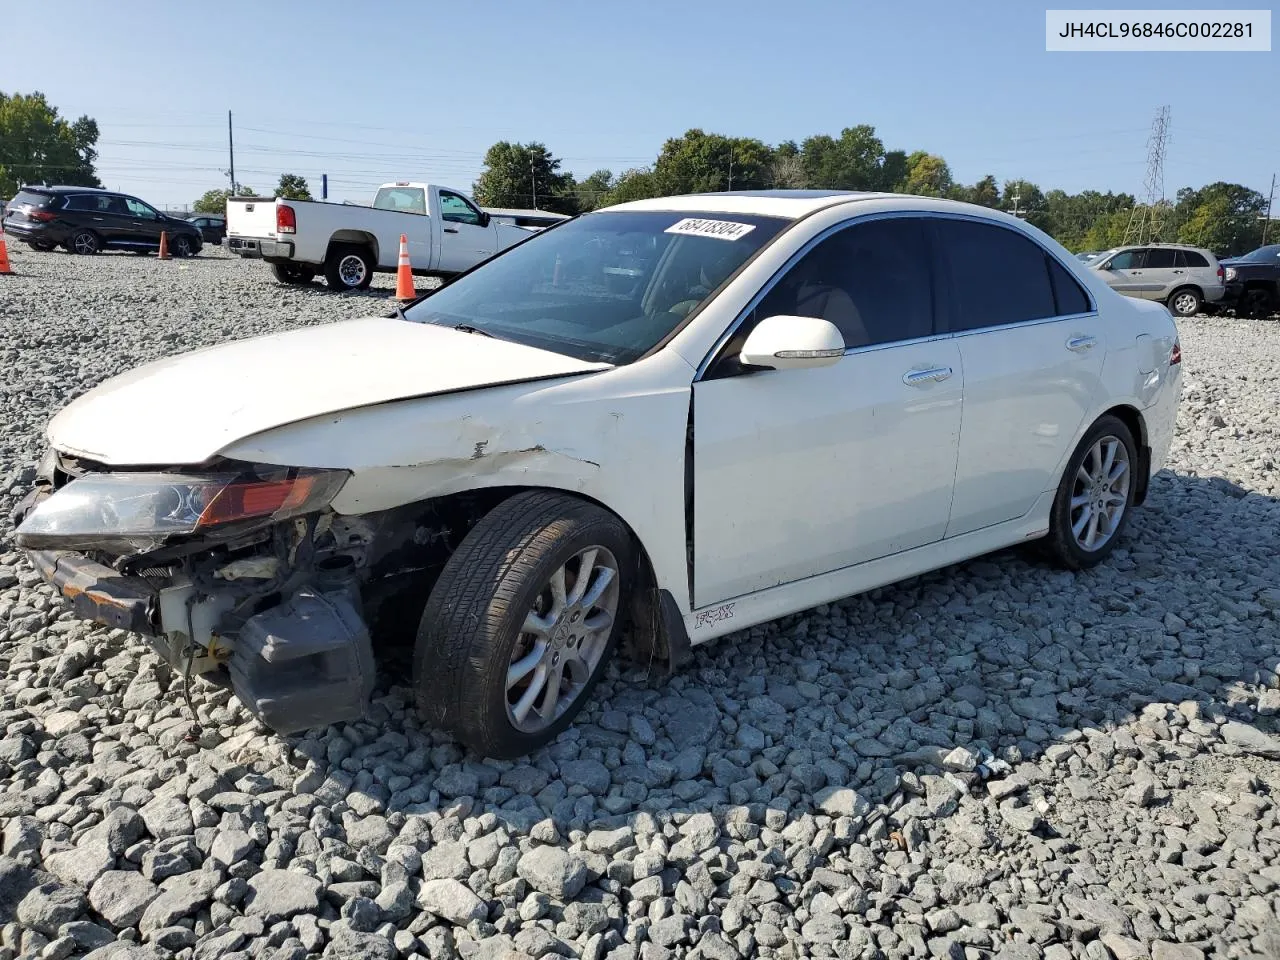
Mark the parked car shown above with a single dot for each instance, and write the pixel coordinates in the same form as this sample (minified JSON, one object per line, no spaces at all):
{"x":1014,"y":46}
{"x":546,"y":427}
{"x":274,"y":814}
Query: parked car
{"x":1253,"y":282}
{"x":212,"y":228}
{"x":1183,"y":278}
{"x":1089,"y":255}
{"x":87,"y":220}
{"x":348,"y":243}
{"x":787,"y":371}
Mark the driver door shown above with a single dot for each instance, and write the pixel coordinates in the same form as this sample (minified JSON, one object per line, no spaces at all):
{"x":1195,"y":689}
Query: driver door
{"x":464,"y":241}
{"x":804,"y":471}
{"x":1123,"y":272}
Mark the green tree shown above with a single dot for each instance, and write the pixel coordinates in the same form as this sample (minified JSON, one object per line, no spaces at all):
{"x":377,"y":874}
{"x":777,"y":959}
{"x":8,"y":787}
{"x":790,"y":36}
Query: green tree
{"x":38,"y":146}
{"x":927,"y":175}
{"x":592,"y":192}
{"x":853,"y":162}
{"x":699,"y":162}
{"x":293,"y":187}
{"x":215,"y":201}
{"x":985,"y":193}
{"x":633,"y":185}
{"x":524,"y":175}
{"x":1224,"y":217}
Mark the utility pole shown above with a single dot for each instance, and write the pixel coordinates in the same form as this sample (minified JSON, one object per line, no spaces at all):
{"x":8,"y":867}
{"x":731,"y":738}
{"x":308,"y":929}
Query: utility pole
{"x":1267,"y":222}
{"x":1016,"y":198}
{"x":231,"y":149}
{"x":533,"y":179}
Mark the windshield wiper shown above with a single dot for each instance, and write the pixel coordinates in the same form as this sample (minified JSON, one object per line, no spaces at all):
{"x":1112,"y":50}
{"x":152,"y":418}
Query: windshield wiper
{"x":468,"y":328}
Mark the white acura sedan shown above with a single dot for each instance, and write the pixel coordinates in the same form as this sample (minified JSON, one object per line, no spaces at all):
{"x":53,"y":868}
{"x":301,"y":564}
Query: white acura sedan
{"x":696,"y":412}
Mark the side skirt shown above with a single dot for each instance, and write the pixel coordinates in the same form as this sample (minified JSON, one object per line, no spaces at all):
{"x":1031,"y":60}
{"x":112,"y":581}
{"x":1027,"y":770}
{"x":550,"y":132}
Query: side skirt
{"x":747,"y":611}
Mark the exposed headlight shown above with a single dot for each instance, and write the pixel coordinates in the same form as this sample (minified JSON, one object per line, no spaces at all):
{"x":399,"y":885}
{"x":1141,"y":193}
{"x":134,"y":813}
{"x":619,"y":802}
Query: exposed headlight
{"x":1231,"y":273}
{"x":140,"y":511}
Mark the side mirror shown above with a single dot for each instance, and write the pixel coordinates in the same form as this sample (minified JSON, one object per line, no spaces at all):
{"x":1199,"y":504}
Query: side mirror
{"x":484,"y":219}
{"x":792,"y":343}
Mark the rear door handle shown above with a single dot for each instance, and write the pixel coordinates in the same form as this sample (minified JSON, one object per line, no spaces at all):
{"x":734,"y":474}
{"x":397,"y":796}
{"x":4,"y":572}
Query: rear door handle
{"x":1081,"y":344}
{"x":918,"y":378}
{"x":450,"y":229}
{"x":1179,"y":271}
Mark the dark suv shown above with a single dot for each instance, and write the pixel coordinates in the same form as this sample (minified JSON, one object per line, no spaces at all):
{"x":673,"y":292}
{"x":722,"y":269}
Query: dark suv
{"x":88,"y":220}
{"x":1253,"y":282}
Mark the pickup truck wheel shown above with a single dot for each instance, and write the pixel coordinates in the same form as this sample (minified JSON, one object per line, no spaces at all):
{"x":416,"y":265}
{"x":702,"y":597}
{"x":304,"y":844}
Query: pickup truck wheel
{"x":1256,"y":303}
{"x":292,"y":274}
{"x":349,"y":267}
{"x":1184,"y":302}
{"x":1095,"y":496}
{"x":522,"y":621}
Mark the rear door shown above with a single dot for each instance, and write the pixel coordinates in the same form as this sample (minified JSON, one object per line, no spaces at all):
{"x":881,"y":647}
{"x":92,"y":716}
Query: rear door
{"x":1159,"y":273}
{"x":105,"y":214}
{"x":464,"y":242}
{"x":1032,"y":347}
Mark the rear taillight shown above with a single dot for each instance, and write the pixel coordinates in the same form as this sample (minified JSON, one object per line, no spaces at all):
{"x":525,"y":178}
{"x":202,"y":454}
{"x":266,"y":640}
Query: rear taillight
{"x":286,"y":220}
{"x":44,"y":216}
{"x":1221,"y":273}
{"x":1175,"y":355}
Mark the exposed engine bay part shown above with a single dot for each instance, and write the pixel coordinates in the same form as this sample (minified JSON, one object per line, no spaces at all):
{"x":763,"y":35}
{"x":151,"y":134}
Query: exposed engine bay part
{"x":306,"y":663}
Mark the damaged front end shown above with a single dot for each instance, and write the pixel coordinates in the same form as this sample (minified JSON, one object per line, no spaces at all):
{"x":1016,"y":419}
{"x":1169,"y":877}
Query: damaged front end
{"x":233,"y":570}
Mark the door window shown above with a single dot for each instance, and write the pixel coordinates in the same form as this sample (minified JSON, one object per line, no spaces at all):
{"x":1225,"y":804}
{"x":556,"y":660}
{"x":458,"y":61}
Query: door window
{"x":139,"y":209}
{"x":1189,"y":258}
{"x":1128,"y":260}
{"x":1159,"y":258}
{"x":998,"y":275}
{"x":456,"y":209}
{"x":872,"y":280}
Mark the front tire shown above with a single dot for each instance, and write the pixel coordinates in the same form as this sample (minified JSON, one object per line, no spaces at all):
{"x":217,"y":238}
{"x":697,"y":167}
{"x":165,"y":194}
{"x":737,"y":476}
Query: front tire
{"x":515,"y":635}
{"x":182,"y":246}
{"x":349,"y":267}
{"x":1257,"y":303}
{"x":1185,"y":302}
{"x":85,"y":242}
{"x":1095,"y":496}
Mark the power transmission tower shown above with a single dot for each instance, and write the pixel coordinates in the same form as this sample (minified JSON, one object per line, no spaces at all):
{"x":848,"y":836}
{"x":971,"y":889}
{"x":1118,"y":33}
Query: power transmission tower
{"x":1144,"y":222}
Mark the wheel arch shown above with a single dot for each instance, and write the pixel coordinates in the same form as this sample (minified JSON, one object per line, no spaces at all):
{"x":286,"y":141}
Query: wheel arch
{"x":657,"y":630}
{"x":360,"y":238}
{"x":1132,"y":418}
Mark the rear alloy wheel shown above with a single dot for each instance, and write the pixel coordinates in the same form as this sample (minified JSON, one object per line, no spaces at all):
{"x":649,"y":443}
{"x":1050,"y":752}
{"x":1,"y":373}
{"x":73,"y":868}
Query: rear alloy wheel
{"x":85,"y":242}
{"x":1093,"y":502}
{"x":349,"y":267}
{"x":292,"y":274}
{"x":1184,"y":302}
{"x":522,"y":621}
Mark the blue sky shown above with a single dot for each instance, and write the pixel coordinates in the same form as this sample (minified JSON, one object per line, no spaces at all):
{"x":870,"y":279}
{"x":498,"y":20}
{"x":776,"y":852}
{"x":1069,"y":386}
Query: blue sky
{"x":418,"y":90}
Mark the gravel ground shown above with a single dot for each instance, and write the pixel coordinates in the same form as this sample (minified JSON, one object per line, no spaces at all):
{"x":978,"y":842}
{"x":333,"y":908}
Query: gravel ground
{"x":999,"y":759}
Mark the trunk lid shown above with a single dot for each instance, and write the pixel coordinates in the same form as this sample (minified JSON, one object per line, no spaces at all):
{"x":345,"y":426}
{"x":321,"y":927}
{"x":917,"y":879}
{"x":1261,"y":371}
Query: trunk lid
{"x":251,"y":217}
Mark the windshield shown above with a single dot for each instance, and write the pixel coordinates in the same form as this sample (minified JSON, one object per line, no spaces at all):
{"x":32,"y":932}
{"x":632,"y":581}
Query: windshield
{"x":605,"y":287}
{"x":404,"y":199}
{"x":1267,"y":253}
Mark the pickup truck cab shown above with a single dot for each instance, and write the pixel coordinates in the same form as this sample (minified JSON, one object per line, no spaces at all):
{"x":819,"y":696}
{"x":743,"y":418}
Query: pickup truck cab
{"x":447,"y":233}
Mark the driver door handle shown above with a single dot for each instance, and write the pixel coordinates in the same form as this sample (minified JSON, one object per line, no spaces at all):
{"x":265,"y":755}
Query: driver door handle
{"x":450,"y":229}
{"x":918,"y":378}
{"x":1081,"y":344}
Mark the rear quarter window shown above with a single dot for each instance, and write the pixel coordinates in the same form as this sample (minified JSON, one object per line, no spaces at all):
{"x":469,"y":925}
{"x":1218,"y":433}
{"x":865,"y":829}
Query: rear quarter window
{"x":1068,"y":295}
{"x":1189,"y":258}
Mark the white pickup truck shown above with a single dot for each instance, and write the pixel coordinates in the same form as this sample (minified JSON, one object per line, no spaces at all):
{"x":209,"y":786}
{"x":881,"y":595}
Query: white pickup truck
{"x":447,"y":233}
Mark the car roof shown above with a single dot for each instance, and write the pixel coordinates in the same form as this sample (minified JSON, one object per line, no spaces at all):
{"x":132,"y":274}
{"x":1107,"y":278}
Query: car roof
{"x":793,"y":204}
{"x":769,"y":203}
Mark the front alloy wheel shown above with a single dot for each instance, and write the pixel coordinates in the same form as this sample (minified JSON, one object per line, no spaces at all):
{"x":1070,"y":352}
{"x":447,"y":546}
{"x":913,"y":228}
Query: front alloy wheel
{"x":521,"y":622}
{"x":182,"y":246}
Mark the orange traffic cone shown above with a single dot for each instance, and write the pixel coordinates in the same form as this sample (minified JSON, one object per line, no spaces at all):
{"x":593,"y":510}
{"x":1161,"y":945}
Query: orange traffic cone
{"x":4,"y":257}
{"x":404,"y":273}
{"x":164,"y":246}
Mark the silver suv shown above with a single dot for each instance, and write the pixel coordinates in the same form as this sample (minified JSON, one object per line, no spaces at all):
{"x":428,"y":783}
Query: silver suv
{"x":1182,"y":277}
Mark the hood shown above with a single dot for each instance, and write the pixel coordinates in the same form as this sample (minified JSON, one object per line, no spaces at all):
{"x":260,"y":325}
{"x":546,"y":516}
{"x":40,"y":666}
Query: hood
{"x":185,"y":409}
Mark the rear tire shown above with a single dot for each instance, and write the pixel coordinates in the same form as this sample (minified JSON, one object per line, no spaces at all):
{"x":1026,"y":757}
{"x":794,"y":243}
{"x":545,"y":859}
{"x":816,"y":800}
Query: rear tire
{"x":292,"y":274}
{"x":1185,"y":302}
{"x":85,"y":242}
{"x":349,"y":267}
{"x":1100,"y":482}
{"x":41,"y":245}
{"x":509,"y":648}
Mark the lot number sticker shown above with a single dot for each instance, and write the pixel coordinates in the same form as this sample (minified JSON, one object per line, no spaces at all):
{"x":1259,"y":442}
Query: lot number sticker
{"x":720,"y":229}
